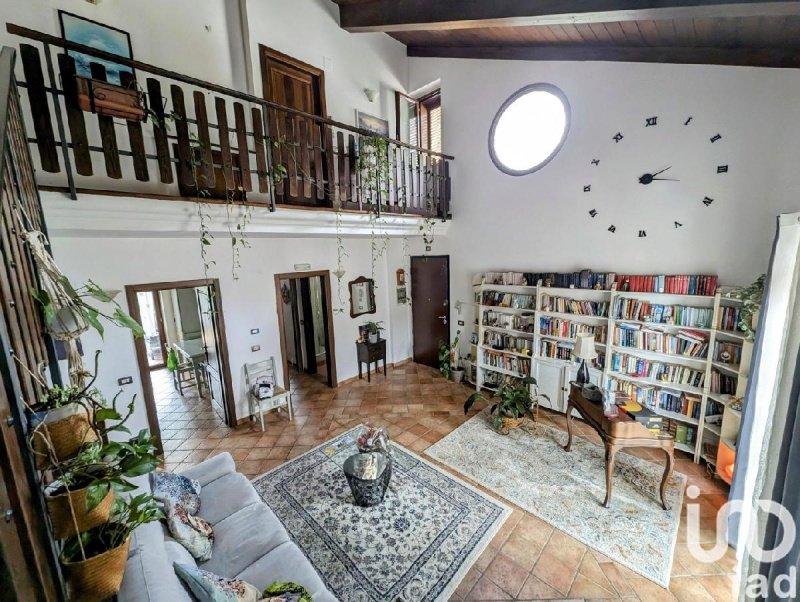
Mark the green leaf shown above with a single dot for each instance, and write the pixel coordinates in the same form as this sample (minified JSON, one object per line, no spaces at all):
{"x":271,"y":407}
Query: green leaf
{"x":97,"y":293}
{"x":95,"y":493}
{"x":107,"y":414}
{"x":123,"y":319}
{"x":90,"y":315}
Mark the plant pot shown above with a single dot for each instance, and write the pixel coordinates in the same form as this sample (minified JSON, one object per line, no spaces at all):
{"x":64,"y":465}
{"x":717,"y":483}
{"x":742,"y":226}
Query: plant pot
{"x":372,"y":338}
{"x":457,"y":374}
{"x":103,"y":98}
{"x":98,"y":577}
{"x":67,"y":429}
{"x":58,"y":506}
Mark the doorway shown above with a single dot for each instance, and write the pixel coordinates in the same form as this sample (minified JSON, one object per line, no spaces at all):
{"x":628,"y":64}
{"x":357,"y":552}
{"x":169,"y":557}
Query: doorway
{"x":430,"y":306}
{"x":305,"y":320}
{"x":190,"y":389}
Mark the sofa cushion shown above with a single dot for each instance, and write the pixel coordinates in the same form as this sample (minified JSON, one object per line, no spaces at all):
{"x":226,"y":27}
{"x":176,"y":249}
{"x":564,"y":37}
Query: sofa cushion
{"x":148,"y":572}
{"x":286,"y":563}
{"x":243,"y":538}
{"x":211,"y":469}
{"x":225,"y":496}
{"x":176,"y":489}
{"x":208,"y":587}
{"x":195,"y":534}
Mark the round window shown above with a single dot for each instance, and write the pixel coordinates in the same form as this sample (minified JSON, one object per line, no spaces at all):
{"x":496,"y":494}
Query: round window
{"x":529,"y":129}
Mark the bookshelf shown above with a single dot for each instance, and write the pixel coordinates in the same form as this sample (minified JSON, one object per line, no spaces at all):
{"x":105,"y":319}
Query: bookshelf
{"x":679,"y":354}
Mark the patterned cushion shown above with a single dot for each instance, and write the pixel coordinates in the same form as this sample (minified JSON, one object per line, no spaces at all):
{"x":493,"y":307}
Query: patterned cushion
{"x":177,"y":489}
{"x":208,"y":587}
{"x":192,"y":532}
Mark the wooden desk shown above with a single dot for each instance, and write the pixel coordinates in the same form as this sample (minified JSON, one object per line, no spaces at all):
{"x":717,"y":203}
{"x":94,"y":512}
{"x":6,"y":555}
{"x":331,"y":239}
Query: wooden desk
{"x":371,"y":352}
{"x":618,"y":433}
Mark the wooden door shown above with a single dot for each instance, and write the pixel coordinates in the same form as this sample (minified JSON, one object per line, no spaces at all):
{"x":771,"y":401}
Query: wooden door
{"x":430,"y":307}
{"x":297,"y":85}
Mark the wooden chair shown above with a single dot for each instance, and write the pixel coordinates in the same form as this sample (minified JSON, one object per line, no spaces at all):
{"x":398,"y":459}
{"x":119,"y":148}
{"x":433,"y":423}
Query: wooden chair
{"x":281,"y":397}
{"x":184,"y":376}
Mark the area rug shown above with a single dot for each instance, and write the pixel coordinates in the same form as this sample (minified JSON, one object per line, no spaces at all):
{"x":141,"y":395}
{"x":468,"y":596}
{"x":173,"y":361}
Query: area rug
{"x":415,"y":546}
{"x":567,"y":490}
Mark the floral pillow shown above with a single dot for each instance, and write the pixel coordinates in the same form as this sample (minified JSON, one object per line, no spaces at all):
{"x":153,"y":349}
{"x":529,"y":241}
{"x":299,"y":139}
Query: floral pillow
{"x":192,"y":532}
{"x":176,"y":489}
{"x":208,"y":587}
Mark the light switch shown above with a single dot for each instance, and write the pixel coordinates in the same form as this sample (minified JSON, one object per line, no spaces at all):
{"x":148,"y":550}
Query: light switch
{"x":125,"y":380}
{"x":254,"y":331}
{"x":255,"y":348}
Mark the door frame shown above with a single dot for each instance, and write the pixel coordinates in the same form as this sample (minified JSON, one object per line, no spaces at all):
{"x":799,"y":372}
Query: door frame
{"x":330,"y":346}
{"x":449,"y":305}
{"x":162,"y":337}
{"x":141,"y":351}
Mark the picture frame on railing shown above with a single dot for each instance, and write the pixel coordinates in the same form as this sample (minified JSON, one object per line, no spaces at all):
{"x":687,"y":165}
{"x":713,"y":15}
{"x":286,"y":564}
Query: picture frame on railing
{"x":99,"y":36}
{"x":374,"y":124}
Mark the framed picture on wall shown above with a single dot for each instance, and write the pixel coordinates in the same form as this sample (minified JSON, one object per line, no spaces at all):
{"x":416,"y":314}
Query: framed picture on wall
{"x":374,"y":124}
{"x":101,"y":37}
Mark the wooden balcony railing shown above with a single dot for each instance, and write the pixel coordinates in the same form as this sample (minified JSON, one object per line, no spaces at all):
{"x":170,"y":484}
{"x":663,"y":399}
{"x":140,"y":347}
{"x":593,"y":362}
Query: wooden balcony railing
{"x":179,"y":140}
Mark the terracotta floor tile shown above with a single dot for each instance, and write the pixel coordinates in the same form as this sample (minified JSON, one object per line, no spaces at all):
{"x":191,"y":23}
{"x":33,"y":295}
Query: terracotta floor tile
{"x":485,"y":589}
{"x":506,"y":573}
{"x":583,"y":587}
{"x":689,"y":589}
{"x":647,"y":590}
{"x":522,"y":551}
{"x":536,"y":589}
{"x":550,"y":569}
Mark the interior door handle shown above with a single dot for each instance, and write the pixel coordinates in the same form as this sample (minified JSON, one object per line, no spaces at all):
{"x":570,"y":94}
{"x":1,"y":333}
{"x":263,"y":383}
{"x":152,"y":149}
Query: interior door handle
{"x":443,"y":319}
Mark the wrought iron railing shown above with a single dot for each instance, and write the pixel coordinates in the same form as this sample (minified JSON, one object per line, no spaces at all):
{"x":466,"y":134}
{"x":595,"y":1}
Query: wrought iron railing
{"x":173,"y":145}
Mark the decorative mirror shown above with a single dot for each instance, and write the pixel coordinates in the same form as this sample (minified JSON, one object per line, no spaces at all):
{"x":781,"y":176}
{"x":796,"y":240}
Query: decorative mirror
{"x":362,"y":296}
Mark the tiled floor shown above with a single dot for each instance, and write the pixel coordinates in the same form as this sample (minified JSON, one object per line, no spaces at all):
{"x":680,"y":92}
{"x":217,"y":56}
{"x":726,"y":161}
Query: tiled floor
{"x":527,"y":560}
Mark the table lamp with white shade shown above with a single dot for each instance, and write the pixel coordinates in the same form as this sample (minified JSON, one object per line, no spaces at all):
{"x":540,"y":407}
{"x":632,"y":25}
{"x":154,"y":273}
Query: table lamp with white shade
{"x":584,"y":350}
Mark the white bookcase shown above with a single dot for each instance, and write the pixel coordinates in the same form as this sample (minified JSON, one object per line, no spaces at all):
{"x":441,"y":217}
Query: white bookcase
{"x":554,"y":374}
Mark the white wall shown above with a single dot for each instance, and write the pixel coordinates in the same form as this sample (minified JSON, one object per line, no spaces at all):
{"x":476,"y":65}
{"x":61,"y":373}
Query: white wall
{"x":541,"y":221}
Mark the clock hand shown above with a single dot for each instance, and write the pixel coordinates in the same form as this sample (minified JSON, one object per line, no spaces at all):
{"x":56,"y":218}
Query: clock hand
{"x":668,"y":179}
{"x":662,"y":171}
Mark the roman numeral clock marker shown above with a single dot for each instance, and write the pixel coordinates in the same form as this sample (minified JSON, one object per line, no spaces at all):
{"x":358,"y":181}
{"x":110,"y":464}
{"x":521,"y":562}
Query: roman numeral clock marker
{"x":659,"y":182}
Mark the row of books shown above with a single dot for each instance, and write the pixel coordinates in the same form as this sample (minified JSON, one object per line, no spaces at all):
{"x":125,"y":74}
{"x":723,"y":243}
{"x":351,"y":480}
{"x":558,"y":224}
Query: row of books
{"x":728,"y":318}
{"x":724,"y":384}
{"x":498,"y":299}
{"x":510,"y":322}
{"x":642,"y":394}
{"x":565,"y":305}
{"x":727,"y":353}
{"x":661,"y":371}
{"x":689,"y":343}
{"x":500,"y":341}
{"x":507,"y":362}
{"x":493,"y":380}
{"x":686,"y":404}
{"x":561,"y":350}
{"x":559,"y":327}
{"x":503,"y":278}
{"x":676,"y":315}
{"x":583,"y":279}
{"x":695,"y":284}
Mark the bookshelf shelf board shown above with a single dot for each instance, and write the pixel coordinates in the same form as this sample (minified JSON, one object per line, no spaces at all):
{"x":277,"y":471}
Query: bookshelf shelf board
{"x":676,"y":416}
{"x":656,"y":383}
{"x":713,"y":428}
{"x":508,"y":330}
{"x":558,"y":291}
{"x":734,"y":334}
{"x":556,"y":314}
{"x":660,"y":297}
{"x":657,"y":354}
{"x":509,"y":288}
{"x":552,"y":337}
{"x":732,"y":368}
{"x":718,"y":397}
{"x":505,"y":351}
{"x":684,"y":448}
{"x":502,"y":371}
{"x":511,"y":310}
{"x":660,"y":325}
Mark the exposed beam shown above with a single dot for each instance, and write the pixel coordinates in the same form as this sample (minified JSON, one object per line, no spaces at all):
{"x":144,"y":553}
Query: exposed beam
{"x":753,"y":57}
{"x":410,"y":15}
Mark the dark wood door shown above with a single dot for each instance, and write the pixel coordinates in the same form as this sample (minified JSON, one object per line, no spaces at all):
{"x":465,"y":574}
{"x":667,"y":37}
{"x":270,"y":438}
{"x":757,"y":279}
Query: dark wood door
{"x":430,"y":306}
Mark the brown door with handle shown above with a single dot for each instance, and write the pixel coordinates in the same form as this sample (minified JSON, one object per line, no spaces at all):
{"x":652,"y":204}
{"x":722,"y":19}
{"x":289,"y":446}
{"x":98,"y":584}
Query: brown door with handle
{"x":430,"y":306}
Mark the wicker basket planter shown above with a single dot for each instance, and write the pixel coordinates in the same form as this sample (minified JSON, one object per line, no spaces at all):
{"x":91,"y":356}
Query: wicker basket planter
{"x":98,"y":577}
{"x":58,"y":506}
{"x":67,"y":429}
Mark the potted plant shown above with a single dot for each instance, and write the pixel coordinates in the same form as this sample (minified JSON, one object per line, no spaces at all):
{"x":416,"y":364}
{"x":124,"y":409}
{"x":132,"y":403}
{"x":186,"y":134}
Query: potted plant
{"x":750,"y":296}
{"x":93,"y":562}
{"x":444,"y":360}
{"x":456,"y":370}
{"x":516,"y":404}
{"x":82,"y":495}
{"x":374,"y":330}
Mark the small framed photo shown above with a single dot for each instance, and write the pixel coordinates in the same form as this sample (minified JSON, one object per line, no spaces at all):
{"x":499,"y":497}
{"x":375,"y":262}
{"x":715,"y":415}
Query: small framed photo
{"x":374,"y":124}
{"x":474,"y":338}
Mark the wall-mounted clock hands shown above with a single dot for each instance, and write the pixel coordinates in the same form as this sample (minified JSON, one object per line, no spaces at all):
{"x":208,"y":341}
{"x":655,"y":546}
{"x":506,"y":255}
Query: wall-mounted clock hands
{"x":649,"y":178}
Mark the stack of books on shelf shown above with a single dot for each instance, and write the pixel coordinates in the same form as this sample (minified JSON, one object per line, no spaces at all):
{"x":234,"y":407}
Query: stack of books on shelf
{"x":729,"y":318}
{"x":559,"y":327}
{"x":493,"y":380}
{"x":563,"y":350}
{"x":524,"y":323}
{"x":686,"y":403}
{"x":507,"y":342}
{"x":565,"y":305}
{"x":645,"y":395}
{"x":673,"y":315}
{"x":704,"y":285}
{"x":503,"y":278}
{"x":661,"y":371}
{"x":685,"y":434}
{"x":516,"y":301}
{"x":583,"y":279}
{"x":727,"y":353}
{"x":689,"y":343}
{"x":723,"y":384}
{"x":714,"y":408}
{"x":506,"y":362}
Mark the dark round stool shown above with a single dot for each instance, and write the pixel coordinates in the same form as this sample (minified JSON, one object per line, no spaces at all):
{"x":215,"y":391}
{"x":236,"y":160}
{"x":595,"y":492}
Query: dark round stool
{"x":368,"y":475}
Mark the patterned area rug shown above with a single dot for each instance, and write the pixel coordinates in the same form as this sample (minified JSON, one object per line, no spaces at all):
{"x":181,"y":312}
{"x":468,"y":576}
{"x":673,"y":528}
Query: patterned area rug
{"x":416,"y":545}
{"x":567,"y":490}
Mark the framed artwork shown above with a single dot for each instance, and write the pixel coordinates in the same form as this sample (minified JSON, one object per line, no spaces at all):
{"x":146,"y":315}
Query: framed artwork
{"x":373,"y":124}
{"x":102,"y":37}
{"x":402,"y":295}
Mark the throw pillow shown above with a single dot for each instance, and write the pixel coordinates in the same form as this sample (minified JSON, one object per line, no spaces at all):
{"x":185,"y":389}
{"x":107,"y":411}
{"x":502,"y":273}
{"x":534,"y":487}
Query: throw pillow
{"x":208,"y":587}
{"x":192,"y":532}
{"x":177,"y":489}
{"x":285,"y":591}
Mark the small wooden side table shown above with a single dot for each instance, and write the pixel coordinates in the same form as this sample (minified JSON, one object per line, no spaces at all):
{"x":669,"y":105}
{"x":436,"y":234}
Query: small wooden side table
{"x":617,"y":433}
{"x":371,"y":352}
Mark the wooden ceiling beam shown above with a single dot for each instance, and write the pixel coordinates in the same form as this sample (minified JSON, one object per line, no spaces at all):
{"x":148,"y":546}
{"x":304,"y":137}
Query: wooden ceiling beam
{"x":753,"y":57}
{"x":424,"y":15}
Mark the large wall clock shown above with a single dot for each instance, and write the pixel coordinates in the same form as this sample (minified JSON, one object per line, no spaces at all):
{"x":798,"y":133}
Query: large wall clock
{"x":659,"y":173}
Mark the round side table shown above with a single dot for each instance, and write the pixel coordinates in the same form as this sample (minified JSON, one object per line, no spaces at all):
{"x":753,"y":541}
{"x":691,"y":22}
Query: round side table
{"x":368,"y":475}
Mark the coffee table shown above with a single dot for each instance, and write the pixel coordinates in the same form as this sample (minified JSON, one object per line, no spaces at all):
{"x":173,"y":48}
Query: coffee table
{"x":368,"y":475}
{"x":617,"y":433}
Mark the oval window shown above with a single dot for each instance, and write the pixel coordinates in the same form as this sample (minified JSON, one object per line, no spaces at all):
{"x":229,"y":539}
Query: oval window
{"x":529,"y":129}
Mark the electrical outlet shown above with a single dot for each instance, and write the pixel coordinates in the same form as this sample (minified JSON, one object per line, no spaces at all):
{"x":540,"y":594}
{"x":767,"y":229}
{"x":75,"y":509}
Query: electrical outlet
{"x":461,"y":322}
{"x":255,"y":348}
{"x":125,"y":380}
{"x":254,"y":331}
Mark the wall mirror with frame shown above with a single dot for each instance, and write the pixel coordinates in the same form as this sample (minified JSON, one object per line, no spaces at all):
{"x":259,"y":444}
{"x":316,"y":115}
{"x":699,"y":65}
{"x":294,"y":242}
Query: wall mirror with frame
{"x":362,"y":296}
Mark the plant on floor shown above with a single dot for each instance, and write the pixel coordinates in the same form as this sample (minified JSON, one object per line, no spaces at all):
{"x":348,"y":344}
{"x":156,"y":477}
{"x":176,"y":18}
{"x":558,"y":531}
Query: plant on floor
{"x":750,"y":296}
{"x":515,"y":402}
{"x":448,"y":357}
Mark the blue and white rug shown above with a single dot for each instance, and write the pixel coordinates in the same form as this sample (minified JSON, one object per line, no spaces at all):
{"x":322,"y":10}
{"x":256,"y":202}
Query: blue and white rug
{"x":416,"y":545}
{"x":567,"y":490}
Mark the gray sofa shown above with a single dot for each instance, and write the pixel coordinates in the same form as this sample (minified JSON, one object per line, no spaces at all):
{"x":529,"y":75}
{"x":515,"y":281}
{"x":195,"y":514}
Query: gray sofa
{"x":250,"y":543}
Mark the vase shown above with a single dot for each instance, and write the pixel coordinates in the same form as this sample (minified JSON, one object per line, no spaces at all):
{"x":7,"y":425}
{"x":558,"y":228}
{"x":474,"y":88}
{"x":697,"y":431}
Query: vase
{"x":373,"y":337}
{"x":98,"y":577}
